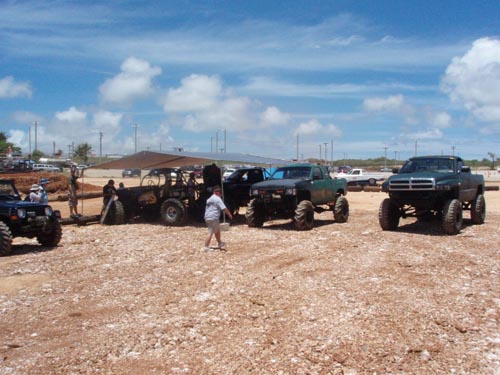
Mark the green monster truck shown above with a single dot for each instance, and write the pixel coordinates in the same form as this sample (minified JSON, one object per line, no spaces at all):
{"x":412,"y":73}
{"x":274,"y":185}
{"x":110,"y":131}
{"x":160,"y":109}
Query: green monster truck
{"x":296,"y":192}
{"x":25,"y":219}
{"x":433,"y":186}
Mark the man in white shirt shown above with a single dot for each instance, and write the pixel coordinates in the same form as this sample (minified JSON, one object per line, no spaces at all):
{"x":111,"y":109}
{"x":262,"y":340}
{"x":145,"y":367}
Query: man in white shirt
{"x":215,"y":206}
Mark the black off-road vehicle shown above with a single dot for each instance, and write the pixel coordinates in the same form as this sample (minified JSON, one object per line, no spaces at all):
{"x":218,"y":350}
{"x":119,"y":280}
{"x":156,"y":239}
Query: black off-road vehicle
{"x":237,"y":186}
{"x":430,"y":187}
{"x":25,"y":219}
{"x":164,"y":194}
{"x":296,"y":192}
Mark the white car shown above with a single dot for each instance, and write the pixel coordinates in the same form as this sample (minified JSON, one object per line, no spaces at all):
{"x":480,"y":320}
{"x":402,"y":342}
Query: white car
{"x":46,"y":167}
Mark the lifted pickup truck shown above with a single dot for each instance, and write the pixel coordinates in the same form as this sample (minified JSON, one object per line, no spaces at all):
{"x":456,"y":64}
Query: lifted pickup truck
{"x":25,"y":219}
{"x":433,"y":186}
{"x":358,"y":176}
{"x":296,"y":192}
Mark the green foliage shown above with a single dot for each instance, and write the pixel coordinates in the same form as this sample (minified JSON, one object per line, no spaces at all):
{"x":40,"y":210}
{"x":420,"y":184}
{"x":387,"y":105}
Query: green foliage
{"x":4,"y":145}
{"x":36,"y":155}
{"x":82,"y":152}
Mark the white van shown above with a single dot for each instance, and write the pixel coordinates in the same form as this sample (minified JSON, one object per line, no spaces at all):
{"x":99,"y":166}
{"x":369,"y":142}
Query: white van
{"x":46,"y":167}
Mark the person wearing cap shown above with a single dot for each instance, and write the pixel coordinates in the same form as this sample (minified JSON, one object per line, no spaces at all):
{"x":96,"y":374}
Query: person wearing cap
{"x":43,"y":193}
{"x":215,"y":206}
{"x":35,"y":195}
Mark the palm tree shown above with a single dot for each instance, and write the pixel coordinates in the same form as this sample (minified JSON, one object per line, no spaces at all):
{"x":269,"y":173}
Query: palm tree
{"x":82,"y":151}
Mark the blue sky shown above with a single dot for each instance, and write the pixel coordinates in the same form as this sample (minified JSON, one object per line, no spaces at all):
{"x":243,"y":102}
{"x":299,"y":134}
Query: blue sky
{"x":365,"y":76}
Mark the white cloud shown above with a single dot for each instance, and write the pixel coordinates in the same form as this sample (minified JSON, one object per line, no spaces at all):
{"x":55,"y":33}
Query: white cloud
{"x":394,"y":103}
{"x":107,"y":121}
{"x":207,"y":105}
{"x":424,"y":134}
{"x":273,"y":116}
{"x":314,"y":127}
{"x":72,"y":115}
{"x":16,"y":137}
{"x":197,"y":93}
{"x":474,"y":79}
{"x":134,"y":82}
{"x":24,"y":117}
{"x":440,"y":120}
{"x":9,"y":88}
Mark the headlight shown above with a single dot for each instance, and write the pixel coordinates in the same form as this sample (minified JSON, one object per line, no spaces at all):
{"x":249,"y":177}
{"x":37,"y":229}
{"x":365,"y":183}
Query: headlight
{"x":290,"y":191}
{"x":254,"y":192}
{"x":21,"y":213}
{"x":48,"y":211}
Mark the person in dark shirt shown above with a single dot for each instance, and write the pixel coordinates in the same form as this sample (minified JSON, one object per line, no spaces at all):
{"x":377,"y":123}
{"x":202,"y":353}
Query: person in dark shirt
{"x":108,"y":191}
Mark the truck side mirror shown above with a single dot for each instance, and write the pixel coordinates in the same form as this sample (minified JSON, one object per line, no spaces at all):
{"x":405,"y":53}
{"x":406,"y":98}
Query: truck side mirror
{"x":465,"y":169}
{"x":395,"y":170}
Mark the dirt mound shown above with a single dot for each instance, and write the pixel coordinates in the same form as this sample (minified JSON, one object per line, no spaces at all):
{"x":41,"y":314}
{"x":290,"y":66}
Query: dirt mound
{"x":58,"y":182}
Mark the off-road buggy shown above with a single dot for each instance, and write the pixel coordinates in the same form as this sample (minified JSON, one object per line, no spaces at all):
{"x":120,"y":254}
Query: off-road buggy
{"x":164,"y":194}
{"x":25,"y":219}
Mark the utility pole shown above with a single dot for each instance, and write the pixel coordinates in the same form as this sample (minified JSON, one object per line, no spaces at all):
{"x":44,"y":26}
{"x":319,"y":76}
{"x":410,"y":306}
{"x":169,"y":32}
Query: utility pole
{"x":211,"y":144}
{"x":453,"y":150}
{"x":225,"y":150}
{"x":29,"y":138}
{"x":100,"y":144}
{"x":385,"y":159}
{"x":331,"y":152}
{"x":135,"y":137}
{"x":36,"y":136}
{"x":53,"y":148}
{"x":320,"y":154}
{"x":416,"y":146}
{"x":326,"y":153}
{"x":297,"y":146}
{"x":69,"y":151}
{"x":216,"y":140}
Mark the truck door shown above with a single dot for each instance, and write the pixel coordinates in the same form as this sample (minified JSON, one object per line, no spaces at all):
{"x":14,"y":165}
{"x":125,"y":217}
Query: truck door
{"x":318,"y":186}
{"x":467,"y":191}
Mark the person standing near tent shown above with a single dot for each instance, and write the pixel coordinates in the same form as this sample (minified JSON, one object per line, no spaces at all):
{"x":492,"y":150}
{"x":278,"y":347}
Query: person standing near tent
{"x":215,"y":206}
{"x":212,"y":175}
{"x":72,"y":191}
{"x":108,"y":192}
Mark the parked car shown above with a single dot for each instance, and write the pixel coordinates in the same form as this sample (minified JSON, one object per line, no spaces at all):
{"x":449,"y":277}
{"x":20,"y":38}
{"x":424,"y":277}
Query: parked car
{"x":46,"y":167}
{"x":131,"y":173}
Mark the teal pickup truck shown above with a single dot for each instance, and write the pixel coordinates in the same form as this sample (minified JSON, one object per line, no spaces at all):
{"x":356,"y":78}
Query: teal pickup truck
{"x":430,"y":187}
{"x":297,"y":191}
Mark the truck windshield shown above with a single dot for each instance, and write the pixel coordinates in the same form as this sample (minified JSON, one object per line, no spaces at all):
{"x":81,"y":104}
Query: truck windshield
{"x":428,"y":165}
{"x":291,"y":173}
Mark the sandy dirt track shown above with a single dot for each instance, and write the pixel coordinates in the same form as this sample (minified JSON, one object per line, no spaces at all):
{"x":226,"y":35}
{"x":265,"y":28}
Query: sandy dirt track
{"x":340,"y":299}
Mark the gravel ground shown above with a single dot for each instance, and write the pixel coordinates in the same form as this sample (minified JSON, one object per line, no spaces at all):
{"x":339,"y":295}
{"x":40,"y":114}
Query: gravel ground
{"x":340,"y":299}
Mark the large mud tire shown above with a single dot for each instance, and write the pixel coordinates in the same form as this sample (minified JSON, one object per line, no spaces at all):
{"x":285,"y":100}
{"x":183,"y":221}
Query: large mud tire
{"x":5,"y":239}
{"x":452,"y":217}
{"x":173,"y":212}
{"x":255,"y":214}
{"x":478,"y":210}
{"x":341,"y":210}
{"x":304,"y":216}
{"x":116,"y":214}
{"x":52,"y":237}
{"x":388,"y":215}
{"x":372,"y":182}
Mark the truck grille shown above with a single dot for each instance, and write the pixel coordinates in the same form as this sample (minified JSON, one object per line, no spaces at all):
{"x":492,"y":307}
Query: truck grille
{"x":412,"y":184}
